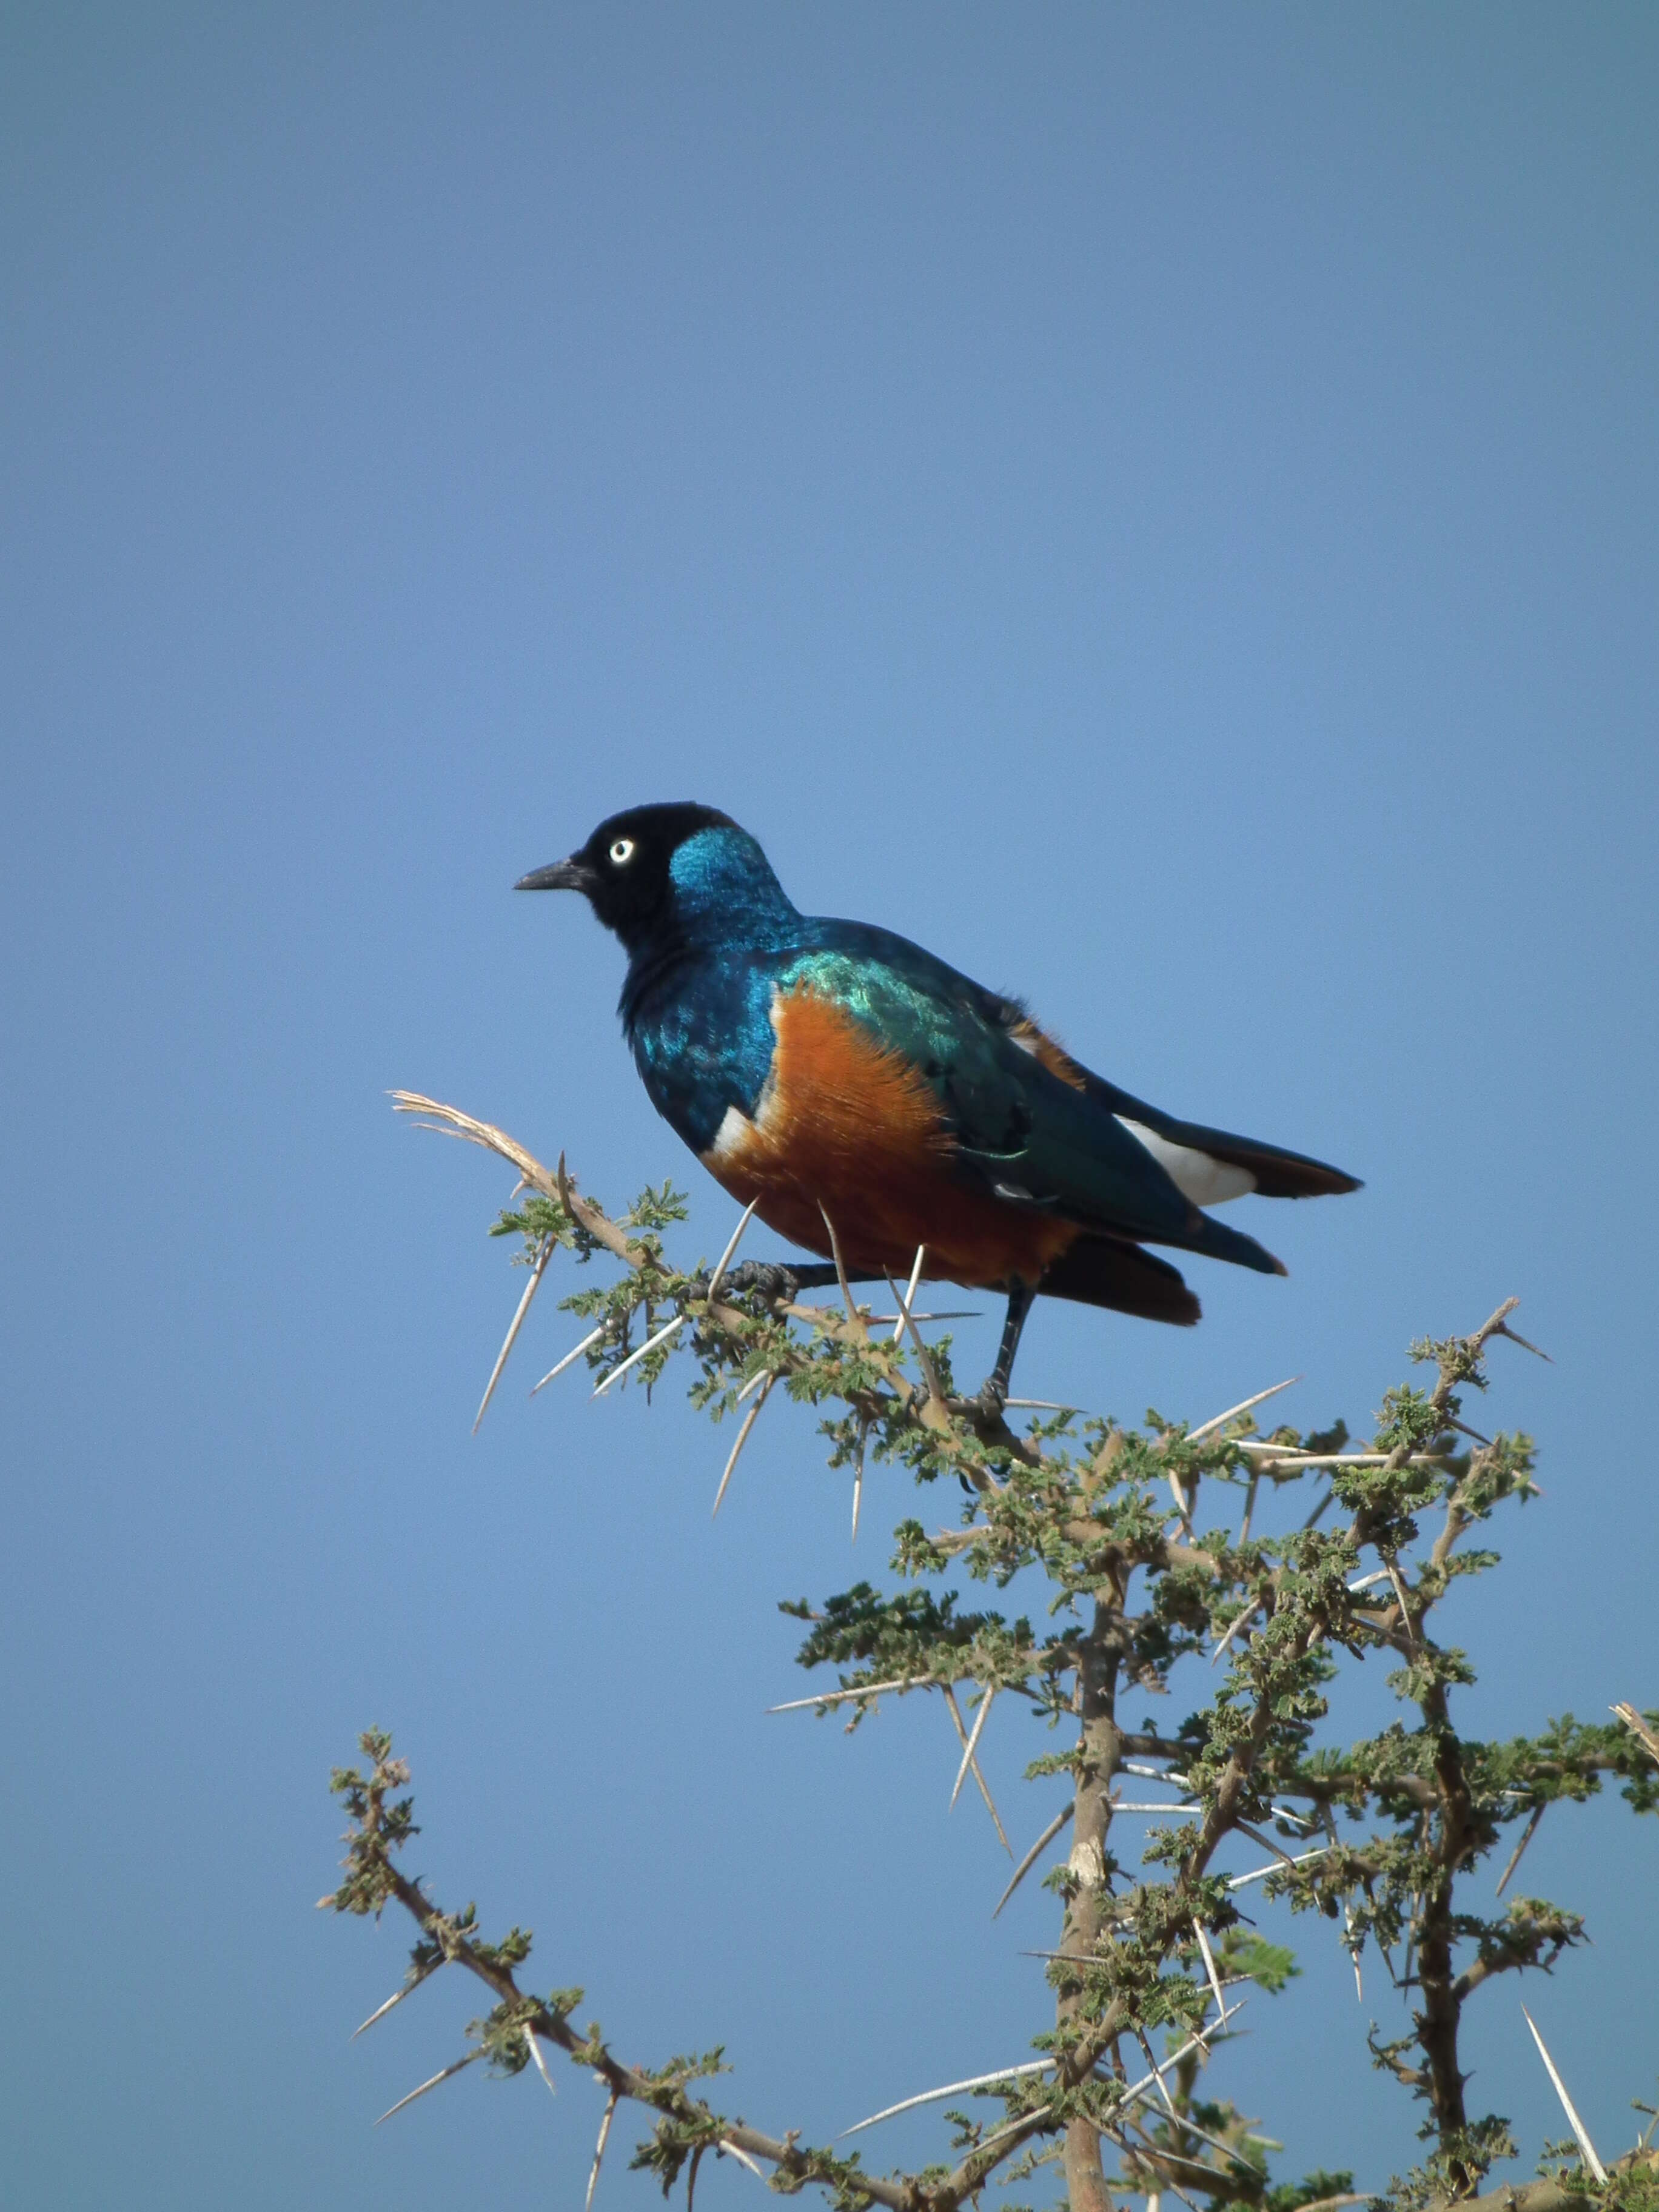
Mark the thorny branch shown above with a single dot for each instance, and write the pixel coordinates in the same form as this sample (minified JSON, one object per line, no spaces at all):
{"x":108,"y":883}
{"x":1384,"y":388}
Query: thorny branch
{"x":1094,"y":1507}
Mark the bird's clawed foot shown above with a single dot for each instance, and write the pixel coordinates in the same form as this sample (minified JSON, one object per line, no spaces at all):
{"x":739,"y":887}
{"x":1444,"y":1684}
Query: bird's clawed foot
{"x":776,"y":1283}
{"x":989,"y":1401}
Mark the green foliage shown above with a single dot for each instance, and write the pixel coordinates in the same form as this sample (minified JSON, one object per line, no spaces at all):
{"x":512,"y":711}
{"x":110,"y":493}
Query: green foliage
{"x":1135,"y":1532}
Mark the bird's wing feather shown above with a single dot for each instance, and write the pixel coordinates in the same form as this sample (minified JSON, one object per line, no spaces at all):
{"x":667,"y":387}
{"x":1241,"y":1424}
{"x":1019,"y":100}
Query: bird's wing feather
{"x":1028,"y":1133}
{"x":1270,"y":1170}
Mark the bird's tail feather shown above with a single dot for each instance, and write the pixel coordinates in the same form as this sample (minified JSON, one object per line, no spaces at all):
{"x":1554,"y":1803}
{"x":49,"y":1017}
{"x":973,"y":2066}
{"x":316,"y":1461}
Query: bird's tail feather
{"x":1216,"y":1241}
{"x":1102,"y":1271}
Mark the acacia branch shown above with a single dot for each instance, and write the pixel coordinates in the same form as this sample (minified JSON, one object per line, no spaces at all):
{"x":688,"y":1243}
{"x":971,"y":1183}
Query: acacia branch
{"x":375,"y":1878}
{"x":1090,"y":1521}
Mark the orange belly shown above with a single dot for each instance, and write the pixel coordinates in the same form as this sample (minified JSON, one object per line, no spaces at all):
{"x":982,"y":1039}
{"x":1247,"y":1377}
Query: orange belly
{"x":848,"y":1130}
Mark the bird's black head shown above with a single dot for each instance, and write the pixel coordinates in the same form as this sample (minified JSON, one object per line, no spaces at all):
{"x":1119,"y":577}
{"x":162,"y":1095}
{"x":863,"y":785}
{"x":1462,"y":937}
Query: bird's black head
{"x":658,"y":873}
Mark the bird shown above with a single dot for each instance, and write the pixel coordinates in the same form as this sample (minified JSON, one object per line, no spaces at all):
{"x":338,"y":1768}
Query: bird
{"x":868,"y":1100}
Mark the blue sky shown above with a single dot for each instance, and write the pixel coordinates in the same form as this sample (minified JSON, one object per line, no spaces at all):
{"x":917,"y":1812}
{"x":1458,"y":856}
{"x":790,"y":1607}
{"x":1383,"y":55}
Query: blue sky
{"x":1159,"y":505}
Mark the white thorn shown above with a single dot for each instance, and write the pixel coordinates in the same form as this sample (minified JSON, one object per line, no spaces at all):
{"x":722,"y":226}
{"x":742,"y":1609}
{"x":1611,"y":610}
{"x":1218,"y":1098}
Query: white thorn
{"x":1258,"y":1874}
{"x":576,"y":1353}
{"x":909,"y":1297}
{"x":908,"y":1320}
{"x":598,"y":2150}
{"x":955,"y":1711}
{"x":725,"y":1259}
{"x":1210,"y":1968}
{"x":517,"y":1322}
{"x":1249,"y":1506}
{"x":951,"y":2089}
{"x":1528,"y":1834}
{"x":1234,"y":1629}
{"x":971,"y":1747}
{"x":396,"y":1999}
{"x":1193,"y":2043}
{"x":650,"y":1345}
{"x":1405,"y":1608}
{"x":749,"y":1421}
{"x":432,"y":2084}
{"x":1158,"y":2072}
{"x":864,"y":1690}
{"x":1243,"y":1406}
{"x":1033,"y":1854}
{"x":854,"y":1317}
{"x":534,"y":2042}
{"x":1183,"y":1513}
{"x":1567,"y":2107}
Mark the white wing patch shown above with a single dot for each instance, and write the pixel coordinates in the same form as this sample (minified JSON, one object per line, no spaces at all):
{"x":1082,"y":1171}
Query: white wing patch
{"x":1197,"y":1176}
{"x":731,"y":1139}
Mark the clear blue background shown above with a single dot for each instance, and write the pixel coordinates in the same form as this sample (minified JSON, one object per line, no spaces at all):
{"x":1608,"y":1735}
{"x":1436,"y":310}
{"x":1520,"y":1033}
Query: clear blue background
{"x":1159,"y":504}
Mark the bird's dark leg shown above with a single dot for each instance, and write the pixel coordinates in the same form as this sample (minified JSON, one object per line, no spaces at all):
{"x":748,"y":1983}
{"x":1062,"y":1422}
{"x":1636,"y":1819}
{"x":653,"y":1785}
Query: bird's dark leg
{"x":994,"y":1392}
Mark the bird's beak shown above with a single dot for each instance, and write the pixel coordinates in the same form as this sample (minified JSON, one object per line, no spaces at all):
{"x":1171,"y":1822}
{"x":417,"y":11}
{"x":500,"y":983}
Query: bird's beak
{"x":571,"y":875}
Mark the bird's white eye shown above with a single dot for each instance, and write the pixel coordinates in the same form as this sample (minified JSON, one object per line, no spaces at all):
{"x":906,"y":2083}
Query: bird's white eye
{"x":622,"y":852}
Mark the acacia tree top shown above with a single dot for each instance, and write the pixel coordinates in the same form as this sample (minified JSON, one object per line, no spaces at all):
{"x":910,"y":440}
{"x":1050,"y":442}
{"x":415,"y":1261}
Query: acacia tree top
{"x":1145,"y":1538}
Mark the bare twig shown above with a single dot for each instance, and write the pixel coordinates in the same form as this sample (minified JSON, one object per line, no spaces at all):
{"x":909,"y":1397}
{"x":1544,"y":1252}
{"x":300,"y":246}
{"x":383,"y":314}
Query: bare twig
{"x":556,"y":1183}
{"x":1639,"y":1727}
